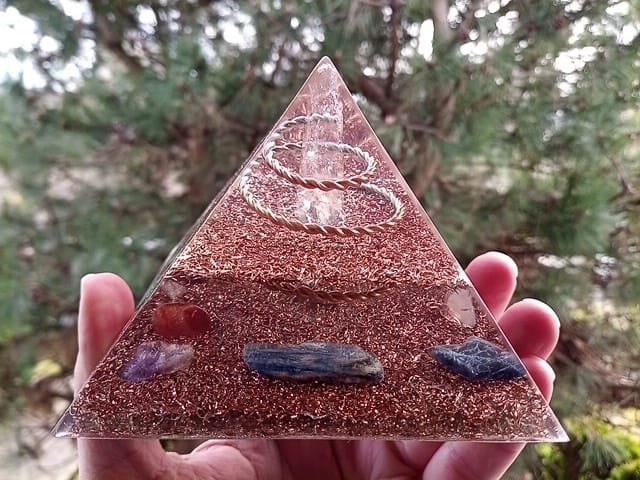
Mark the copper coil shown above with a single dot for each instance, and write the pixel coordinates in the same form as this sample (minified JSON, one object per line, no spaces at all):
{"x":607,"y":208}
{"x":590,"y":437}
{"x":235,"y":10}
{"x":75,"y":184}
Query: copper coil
{"x":325,"y":296}
{"x":358,"y":181}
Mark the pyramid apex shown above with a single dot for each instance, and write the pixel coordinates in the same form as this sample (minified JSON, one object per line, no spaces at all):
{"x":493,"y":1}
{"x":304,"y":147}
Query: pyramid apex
{"x":323,"y":65}
{"x":326,"y":60}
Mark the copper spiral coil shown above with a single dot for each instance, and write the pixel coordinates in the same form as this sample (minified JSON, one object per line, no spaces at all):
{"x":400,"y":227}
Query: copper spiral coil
{"x":354,"y":182}
{"x":329,"y":230}
{"x":325,"y":296}
{"x":359,"y":181}
{"x":324,"y":185}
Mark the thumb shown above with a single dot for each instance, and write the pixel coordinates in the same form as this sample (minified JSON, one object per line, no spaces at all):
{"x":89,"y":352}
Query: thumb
{"x":106,"y":304}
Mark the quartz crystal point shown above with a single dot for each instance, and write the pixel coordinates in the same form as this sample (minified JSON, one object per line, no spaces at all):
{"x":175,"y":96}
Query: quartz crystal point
{"x":316,"y":244}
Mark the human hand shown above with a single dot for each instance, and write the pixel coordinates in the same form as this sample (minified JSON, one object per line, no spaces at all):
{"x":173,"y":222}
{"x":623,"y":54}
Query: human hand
{"x":106,"y":305}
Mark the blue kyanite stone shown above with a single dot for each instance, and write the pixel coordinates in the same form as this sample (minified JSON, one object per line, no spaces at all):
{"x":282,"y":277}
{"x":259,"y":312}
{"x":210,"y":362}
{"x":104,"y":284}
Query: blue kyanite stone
{"x":478,"y":359}
{"x":314,"y":361}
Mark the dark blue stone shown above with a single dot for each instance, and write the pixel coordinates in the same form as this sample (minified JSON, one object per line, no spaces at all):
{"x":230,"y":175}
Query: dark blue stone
{"x":478,"y":359}
{"x":314,"y":361}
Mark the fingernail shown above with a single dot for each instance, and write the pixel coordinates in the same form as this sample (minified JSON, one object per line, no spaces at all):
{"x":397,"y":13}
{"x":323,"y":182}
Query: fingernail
{"x":83,"y":280}
{"x":551,"y":312}
{"x":514,"y":265}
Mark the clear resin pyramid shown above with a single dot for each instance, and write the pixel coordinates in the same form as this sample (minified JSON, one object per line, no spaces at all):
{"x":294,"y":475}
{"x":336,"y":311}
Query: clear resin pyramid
{"x":313,"y":298}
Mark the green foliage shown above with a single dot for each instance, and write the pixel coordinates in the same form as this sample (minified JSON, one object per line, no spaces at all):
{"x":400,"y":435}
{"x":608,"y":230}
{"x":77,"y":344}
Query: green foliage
{"x":599,"y":450}
{"x":626,"y":471}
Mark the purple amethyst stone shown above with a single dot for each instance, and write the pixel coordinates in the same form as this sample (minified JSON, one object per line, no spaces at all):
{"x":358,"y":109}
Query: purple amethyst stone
{"x":155,"y":358}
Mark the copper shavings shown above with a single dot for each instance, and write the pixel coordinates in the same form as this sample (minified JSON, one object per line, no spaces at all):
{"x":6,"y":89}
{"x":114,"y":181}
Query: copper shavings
{"x":412,"y":395}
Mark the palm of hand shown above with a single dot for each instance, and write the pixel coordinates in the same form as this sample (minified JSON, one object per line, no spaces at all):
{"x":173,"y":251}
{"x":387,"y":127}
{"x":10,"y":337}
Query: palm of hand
{"x":106,"y":304}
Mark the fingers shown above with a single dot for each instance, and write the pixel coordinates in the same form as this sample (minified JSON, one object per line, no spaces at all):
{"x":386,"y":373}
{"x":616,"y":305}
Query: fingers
{"x":220,"y":462}
{"x":494,"y":275}
{"x":542,"y":374}
{"x":532,"y":327}
{"x":235,"y":460}
{"x":479,"y":461}
{"x":472,"y":461}
{"x":106,"y":304}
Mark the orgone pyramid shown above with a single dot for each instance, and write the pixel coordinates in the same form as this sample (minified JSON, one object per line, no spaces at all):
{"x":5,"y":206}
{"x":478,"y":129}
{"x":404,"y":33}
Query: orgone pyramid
{"x":313,"y":298}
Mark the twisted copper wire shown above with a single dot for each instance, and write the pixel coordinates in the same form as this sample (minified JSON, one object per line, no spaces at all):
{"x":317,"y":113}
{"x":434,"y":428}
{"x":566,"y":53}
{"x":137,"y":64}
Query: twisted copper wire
{"x":359,"y":181}
{"x":309,"y":182}
{"x":356,"y":181}
{"x":323,"y":296}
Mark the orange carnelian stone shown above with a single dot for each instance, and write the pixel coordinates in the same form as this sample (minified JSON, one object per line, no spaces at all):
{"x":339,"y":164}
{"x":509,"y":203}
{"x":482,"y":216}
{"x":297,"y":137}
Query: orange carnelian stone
{"x":173,"y":320}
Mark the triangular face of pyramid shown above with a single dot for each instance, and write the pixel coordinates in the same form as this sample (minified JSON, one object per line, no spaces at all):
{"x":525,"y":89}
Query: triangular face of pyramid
{"x":307,"y":302}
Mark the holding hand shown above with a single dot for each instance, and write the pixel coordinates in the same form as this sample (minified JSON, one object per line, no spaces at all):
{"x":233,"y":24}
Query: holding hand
{"x":106,"y":305}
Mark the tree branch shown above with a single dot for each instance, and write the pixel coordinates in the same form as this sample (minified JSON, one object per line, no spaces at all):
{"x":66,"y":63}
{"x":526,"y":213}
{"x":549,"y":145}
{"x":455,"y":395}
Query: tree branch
{"x":113,"y":42}
{"x":395,"y":5}
{"x":428,"y":129}
{"x":462,"y":33}
{"x":443,"y":33}
{"x":373,"y":89}
{"x":278,"y":65}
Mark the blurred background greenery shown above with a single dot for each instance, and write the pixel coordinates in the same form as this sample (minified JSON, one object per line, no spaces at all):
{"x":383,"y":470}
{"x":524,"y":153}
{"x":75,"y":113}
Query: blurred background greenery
{"x":516,"y":123}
